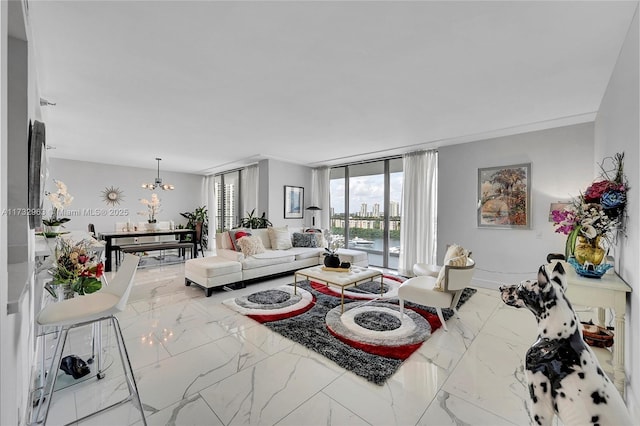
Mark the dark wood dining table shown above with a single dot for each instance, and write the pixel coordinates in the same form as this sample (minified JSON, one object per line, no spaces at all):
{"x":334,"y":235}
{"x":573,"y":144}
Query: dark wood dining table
{"x":108,"y":237}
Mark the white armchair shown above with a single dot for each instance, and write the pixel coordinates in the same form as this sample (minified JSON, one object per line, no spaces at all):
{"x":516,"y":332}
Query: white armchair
{"x":424,"y":289}
{"x":430,"y":270}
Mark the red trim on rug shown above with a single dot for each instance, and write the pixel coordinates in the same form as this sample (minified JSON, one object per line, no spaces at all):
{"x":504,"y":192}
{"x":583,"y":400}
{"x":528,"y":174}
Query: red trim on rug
{"x":433,"y":319}
{"x":262,"y":318}
{"x":395,"y":352}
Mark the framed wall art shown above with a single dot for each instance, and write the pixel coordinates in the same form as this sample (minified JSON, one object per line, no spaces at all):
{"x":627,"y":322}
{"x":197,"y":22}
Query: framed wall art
{"x":293,"y":202}
{"x":504,"y":197}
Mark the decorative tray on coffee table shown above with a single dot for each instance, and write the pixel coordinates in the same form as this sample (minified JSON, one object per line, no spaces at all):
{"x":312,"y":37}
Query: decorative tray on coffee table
{"x":326,"y":268}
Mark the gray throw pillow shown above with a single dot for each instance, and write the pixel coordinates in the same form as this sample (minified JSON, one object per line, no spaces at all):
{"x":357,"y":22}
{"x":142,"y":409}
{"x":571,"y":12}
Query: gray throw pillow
{"x":304,"y":240}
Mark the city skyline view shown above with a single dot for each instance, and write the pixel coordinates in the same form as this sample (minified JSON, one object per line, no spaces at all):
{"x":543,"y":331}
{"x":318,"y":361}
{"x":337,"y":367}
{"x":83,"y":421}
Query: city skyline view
{"x":367,"y":190}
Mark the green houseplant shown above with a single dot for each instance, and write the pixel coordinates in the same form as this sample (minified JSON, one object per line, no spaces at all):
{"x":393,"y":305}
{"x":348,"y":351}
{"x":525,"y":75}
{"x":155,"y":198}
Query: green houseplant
{"x":255,"y":222}
{"x":200,"y":214}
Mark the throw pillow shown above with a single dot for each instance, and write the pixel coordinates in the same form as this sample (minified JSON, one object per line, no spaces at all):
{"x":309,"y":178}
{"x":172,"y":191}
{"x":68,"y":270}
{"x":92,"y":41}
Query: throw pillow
{"x":280,"y":238}
{"x":453,"y":250}
{"x":319,"y":239}
{"x":235,"y":235}
{"x":251,"y":245}
{"x":456,"y":261}
{"x":304,"y":240}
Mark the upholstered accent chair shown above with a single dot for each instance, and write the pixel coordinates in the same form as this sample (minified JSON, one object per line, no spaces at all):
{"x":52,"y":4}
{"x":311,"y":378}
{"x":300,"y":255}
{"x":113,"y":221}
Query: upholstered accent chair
{"x":426,"y":290}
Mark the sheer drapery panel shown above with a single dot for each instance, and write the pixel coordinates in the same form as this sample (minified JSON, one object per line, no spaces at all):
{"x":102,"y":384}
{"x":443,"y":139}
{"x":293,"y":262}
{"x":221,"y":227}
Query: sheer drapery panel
{"x":419,"y":210}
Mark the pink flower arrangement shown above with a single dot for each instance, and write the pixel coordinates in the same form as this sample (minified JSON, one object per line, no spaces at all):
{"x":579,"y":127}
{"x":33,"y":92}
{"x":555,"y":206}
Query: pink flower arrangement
{"x":599,"y":211}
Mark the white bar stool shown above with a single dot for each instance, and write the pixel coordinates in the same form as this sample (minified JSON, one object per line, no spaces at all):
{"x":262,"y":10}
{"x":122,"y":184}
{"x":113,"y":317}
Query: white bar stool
{"x":91,"y":309}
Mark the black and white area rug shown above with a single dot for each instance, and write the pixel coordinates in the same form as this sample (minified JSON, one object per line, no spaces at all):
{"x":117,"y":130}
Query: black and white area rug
{"x":370,"y":338}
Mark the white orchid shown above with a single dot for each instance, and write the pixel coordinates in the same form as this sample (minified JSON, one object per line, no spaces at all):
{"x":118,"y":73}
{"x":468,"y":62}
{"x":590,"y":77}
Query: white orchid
{"x":153,"y":207}
{"x":589,"y":231}
{"x":59,"y":200}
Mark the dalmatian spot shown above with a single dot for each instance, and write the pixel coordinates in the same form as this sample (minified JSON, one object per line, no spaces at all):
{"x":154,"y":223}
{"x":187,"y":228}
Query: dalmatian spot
{"x":598,"y":398}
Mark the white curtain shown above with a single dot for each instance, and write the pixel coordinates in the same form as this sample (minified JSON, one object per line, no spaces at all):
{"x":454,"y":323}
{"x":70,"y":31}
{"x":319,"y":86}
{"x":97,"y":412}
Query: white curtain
{"x":419,"y":210}
{"x":209,"y":199}
{"x":320,"y":196}
{"x":250,"y":190}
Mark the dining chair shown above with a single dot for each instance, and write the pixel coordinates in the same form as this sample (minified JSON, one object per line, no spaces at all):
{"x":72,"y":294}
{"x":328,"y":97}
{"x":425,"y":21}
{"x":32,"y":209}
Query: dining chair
{"x":87,"y":310}
{"x":199,"y":238}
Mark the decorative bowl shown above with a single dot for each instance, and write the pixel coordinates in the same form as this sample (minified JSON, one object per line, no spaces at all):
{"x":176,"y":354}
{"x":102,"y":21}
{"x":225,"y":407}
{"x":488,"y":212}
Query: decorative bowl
{"x":589,"y":270}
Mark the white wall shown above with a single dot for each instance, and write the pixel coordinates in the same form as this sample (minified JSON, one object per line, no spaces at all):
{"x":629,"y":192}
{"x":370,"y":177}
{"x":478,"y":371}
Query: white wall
{"x":19,"y":104}
{"x":86,"y":182}
{"x":561,"y":165}
{"x":617,"y":130}
{"x":280,"y":174}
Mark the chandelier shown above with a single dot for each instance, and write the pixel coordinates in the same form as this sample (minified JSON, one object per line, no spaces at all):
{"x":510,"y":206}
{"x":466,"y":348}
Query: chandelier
{"x":158,"y":182}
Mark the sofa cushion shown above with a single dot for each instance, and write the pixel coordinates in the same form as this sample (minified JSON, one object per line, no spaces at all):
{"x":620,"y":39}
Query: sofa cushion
{"x":236,"y":234}
{"x":223,"y":241}
{"x":211,"y":266}
{"x":280,"y":238}
{"x":263,"y":233}
{"x":269,"y":257}
{"x":250,"y":245}
{"x":305,"y":252}
{"x":355,"y":257}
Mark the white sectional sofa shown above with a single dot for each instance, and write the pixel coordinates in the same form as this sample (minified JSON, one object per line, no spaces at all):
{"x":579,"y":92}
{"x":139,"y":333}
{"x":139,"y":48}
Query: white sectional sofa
{"x":229,"y":266}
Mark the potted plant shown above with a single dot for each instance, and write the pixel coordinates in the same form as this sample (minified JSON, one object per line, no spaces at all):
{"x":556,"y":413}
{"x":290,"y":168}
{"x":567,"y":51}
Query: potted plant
{"x":255,"y":222}
{"x":59,"y":200}
{"x":153,"y":208}
{"x":331,"y":258}
{"x":199,"y":215}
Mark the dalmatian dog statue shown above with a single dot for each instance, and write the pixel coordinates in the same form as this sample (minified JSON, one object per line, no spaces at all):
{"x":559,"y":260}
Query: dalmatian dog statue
{"x":563,"y":374}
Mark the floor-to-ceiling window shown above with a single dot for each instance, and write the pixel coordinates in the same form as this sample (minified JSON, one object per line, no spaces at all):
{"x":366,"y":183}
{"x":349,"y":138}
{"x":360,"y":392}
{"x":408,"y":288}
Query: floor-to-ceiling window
{"x":227,"y":193}
{"x":365,"y":209}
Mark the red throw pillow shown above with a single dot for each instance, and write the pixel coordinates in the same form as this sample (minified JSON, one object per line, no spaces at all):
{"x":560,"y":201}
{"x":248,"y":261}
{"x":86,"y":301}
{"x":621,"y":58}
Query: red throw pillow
{"x":235,"y":235}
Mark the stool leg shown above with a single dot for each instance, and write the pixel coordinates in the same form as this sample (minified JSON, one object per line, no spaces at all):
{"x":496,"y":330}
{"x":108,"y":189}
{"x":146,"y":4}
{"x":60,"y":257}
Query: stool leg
{"x":128,"y":375}
{"x":53,"y":376}
{"x":97,"y":348}
{"x":131,"y":380}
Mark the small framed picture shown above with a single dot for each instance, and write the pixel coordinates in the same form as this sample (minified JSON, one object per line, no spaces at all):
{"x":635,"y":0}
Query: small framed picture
{"x":504,"y":197}
{"x":293,"y":202}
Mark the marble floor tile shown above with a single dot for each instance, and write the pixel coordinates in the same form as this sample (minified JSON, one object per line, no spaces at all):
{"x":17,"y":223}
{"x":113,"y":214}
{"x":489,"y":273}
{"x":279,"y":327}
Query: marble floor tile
{"x":197,"y":362}
{"x":448,"y":409}
{"x":320,"y":410}
{"x":491,"y":375}
{"x":185,"y":374}
{"x":267,"y":391}
{"x":191,"y":411}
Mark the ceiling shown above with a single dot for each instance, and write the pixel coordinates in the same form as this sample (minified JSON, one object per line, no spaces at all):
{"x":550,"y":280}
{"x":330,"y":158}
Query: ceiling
{"x":209,"y":86}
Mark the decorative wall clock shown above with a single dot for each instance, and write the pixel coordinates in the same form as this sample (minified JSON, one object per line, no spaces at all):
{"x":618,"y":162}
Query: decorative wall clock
{"x":112,"y":195}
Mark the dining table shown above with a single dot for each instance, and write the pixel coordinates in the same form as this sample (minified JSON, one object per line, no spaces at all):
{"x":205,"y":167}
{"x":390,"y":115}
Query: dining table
{"x":109,"y":238}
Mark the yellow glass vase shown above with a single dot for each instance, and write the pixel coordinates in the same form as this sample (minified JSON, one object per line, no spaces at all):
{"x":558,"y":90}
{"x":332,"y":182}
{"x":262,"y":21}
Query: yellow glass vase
{"x":589,"y":250}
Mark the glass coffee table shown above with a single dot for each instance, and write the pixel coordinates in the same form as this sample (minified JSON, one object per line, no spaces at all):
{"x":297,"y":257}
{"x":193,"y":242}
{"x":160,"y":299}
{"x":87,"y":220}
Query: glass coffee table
{"x":342,"y":279}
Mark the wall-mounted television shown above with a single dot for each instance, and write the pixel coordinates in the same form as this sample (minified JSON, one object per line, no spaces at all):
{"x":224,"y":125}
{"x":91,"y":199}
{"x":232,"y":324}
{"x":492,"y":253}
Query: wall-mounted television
{"x":37,"y":173}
